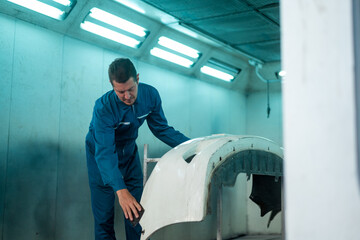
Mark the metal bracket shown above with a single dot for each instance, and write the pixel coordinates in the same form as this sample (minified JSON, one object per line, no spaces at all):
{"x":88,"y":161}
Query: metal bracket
{"x":146,"y":161}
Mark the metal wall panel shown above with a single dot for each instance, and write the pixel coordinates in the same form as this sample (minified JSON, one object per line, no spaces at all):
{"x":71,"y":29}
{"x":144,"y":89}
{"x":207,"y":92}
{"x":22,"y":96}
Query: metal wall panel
{"x":220,"y":113}
{"x":200,"y":112}
{"x":33,"y":147}
{"x":81,"y":85}
{"x":7,"y":32}
{"x":237,"y":116}
{"x":257,"y":121}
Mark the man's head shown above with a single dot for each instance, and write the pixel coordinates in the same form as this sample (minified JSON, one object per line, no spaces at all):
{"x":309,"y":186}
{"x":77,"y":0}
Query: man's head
{"x":124,"y":79}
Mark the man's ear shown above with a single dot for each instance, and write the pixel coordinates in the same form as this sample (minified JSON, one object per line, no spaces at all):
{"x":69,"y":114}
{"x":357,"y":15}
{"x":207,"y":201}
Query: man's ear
{"x":137,"y":78}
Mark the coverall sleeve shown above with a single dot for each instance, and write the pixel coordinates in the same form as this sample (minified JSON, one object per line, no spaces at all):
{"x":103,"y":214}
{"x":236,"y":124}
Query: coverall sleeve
{"x":105,"y":150}
{"x":159,"y":125}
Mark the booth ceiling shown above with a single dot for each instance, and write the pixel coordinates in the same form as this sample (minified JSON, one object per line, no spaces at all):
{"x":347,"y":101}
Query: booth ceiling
{"x":226,"y":34}
{"x":251,"y":26}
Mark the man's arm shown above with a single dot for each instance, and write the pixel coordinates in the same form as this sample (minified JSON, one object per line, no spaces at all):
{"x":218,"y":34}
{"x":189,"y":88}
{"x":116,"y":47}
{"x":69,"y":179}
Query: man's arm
{"x":159,"y":126}
{"x":107,"y":161}
{"x":105,"y":150}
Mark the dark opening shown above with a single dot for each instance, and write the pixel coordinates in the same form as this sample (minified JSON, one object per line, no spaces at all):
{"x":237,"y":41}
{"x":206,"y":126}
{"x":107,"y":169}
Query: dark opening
{"x":189,"y":159}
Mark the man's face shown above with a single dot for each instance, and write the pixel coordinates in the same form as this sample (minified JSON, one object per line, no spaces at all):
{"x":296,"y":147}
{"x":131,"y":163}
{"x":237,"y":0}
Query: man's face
{"x":127,"y":91}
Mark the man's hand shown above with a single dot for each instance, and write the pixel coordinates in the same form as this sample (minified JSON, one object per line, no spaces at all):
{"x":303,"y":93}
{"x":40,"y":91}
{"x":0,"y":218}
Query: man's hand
{"x":128,"y":204}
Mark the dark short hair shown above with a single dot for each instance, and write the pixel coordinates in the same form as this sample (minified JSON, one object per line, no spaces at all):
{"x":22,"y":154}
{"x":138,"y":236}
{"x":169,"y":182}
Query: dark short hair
{"x":121,"y":70}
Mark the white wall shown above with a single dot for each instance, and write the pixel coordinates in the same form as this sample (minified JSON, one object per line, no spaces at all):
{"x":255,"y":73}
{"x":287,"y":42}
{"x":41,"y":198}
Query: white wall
{"x":322,"y":197}
{"x":49,"y":83}
{"x":257,"y":121}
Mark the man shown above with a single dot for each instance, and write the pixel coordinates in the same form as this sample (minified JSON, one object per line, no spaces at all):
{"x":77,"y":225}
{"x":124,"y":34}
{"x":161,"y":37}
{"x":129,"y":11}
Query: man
{"x":112,"y":157}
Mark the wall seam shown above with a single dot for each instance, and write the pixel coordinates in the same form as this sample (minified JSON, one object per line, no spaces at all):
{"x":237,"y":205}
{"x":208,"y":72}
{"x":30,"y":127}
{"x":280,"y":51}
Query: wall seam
{"x":9,"y":125}
{"x":59,"y":135}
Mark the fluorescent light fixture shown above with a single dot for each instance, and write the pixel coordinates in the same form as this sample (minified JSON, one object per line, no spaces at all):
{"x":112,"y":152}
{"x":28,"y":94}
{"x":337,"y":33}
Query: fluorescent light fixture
{"x":178,"y":47}
{"x":171,"y":57}
{"x":131,"y":5}
{"x":117,"y":22}
{"x":217,"y":73}
{"x":40,"y":7}
{"x":110,"y":34}
{"x":63,"y":2}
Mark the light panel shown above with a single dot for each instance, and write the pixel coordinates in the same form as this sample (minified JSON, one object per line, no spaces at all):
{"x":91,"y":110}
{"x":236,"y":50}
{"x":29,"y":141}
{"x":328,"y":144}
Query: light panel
{"x":217,"y":73}
{"x":171,"y":57}
{"x":220,"y":69}
{"x":118,"y":22}
{"x":178,"y":47}
{"x":110,"y":26}
{"x":175,"y":52}
{"x":63,"y":2}
{"x":109,"y":34}
{"x":42,"y":8}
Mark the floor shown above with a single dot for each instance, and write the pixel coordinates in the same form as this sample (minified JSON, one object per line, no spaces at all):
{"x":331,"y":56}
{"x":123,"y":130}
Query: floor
{"x":259,"y":237}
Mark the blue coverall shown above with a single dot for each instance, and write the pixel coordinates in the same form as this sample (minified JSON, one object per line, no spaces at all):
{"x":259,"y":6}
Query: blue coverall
{"x":112,"y":157}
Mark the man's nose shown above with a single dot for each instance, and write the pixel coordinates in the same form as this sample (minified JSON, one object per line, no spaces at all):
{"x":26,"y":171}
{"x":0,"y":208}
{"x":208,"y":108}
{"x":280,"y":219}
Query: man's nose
{"x":127,"y":95}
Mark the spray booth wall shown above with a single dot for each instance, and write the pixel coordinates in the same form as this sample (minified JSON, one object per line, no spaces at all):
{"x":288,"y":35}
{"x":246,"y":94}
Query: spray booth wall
{"x":48,"y":85}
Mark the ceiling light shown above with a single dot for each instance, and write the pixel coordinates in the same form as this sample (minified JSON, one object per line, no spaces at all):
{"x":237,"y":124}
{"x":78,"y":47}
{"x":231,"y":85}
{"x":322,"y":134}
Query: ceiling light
{"x":117,"y":22}
{"x":44,"y":8}
{"x":171,"y":57}
{"x":216,"y":73}
{"x":178,"y":47}
{"x":110,"y":34}
{"x":220,"y":70}
{"x":114,"y":28}
{"x":63,"y":2}
{"x":173,"y":51}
